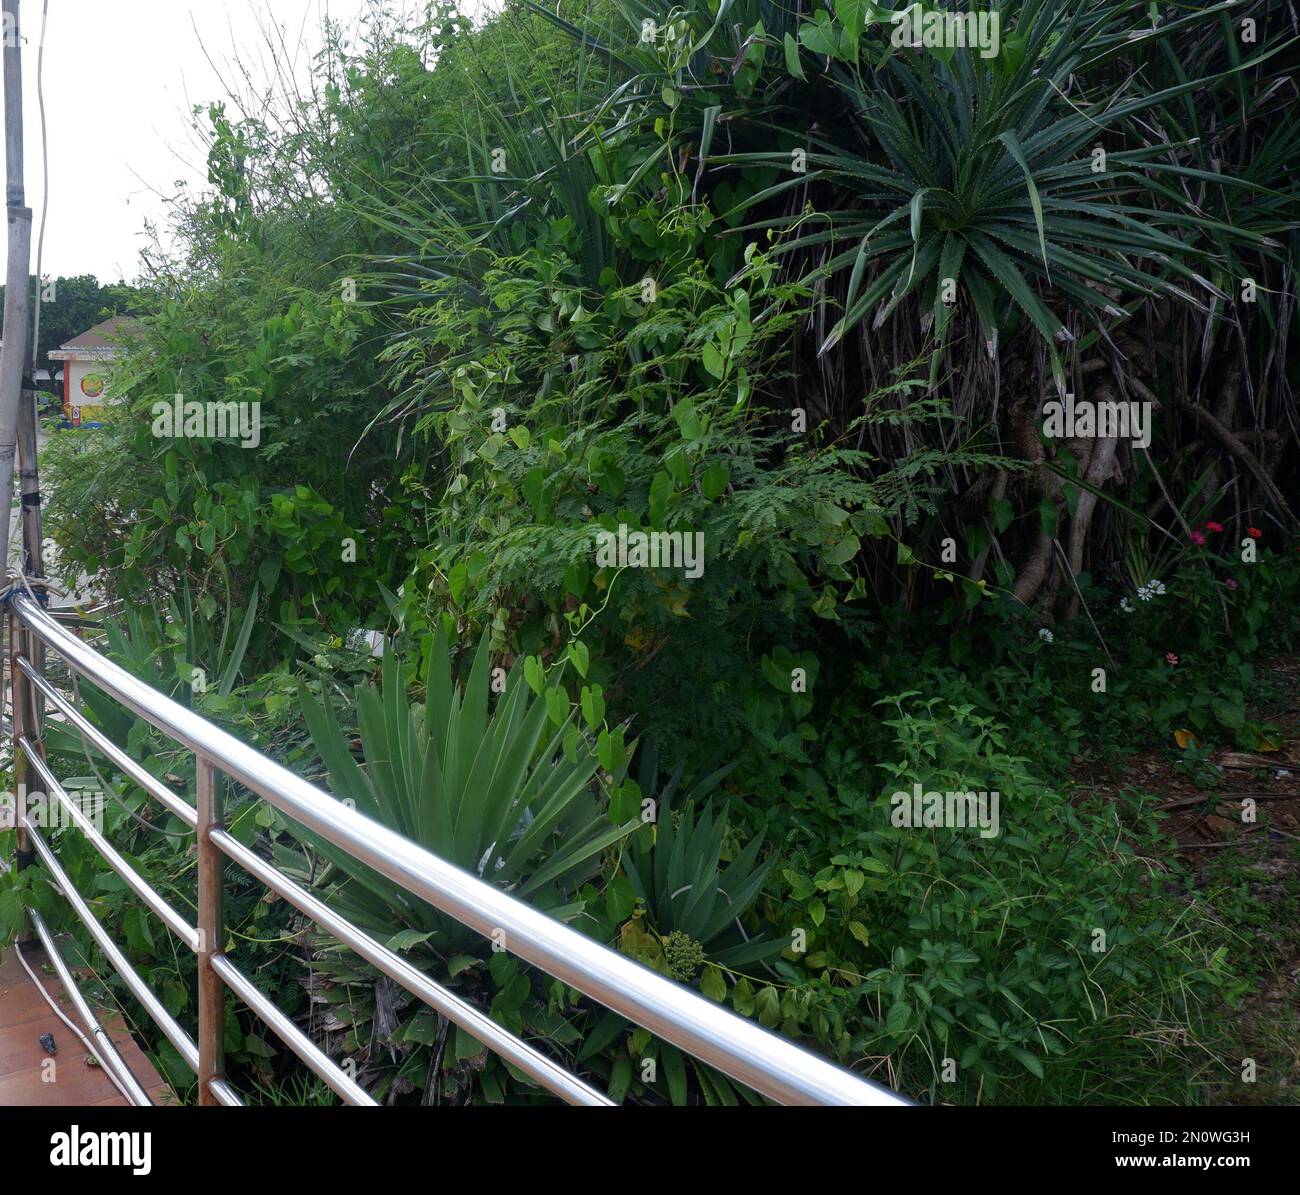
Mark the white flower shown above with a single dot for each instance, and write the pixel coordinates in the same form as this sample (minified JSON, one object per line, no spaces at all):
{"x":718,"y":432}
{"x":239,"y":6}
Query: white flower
{"x":1157,"y":587}
{"x":1045,"y":635}
{"x":1145,"y":594}
{"x":1126,"y":605}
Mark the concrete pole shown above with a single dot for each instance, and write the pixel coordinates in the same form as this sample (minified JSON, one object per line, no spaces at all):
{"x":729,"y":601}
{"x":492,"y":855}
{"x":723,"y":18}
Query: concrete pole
{"x":29,"y":486}
{"x":13,"y":352}
{"x":13,"y":359}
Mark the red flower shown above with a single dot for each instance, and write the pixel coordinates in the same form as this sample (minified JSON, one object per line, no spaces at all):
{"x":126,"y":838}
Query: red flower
{"x":1254,"y":533}
{"x":1231,"y":583}
{"x":1213,"y":526}
{"x":1198,"y":539}
{"x":1170,"y":658}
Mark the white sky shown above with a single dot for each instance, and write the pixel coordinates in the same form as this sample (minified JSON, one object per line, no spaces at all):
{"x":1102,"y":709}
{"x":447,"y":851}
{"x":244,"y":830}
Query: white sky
{"x":120,"y":78}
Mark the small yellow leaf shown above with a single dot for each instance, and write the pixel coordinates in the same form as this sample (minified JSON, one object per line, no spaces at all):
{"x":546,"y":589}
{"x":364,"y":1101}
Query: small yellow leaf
{"x":1185,"y":739}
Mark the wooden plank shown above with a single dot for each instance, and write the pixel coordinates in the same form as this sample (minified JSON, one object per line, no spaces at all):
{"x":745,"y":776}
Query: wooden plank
{"x":26,"y":1078}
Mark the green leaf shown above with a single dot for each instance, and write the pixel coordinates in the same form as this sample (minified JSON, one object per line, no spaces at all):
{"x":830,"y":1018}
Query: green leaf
{"x":268,"y":572}
{"x":593,"y":706}
{"x":661,"y":488}
{"x":1029,"y":1061}
{"x":1012,"y":142}
{"x":844,"y":551}
{"x":715,"y":480}
{"x":713,"y":360}
{"x":534,"y":674}
{"x":899,"y":1016}
{"x":557,"y":705}
{"x":404,"y":939}
{"x":1003,"y":513}
{"x":674,"y":1071}
{"x":457,"y":580}
{"x":713,"y":983}
{"x":1229,"y":713}
{"x":852,"y":14}
{"x":620,"y":1079}
{"x":819,"y":36}
{"x":1048,"y":516}
{"x":793,"y":65}
{"x":580,"y":654}
{"x":610,"y":750}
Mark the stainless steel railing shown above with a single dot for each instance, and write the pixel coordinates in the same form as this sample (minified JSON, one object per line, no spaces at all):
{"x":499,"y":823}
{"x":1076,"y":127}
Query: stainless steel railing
{"x":766,"y":1062}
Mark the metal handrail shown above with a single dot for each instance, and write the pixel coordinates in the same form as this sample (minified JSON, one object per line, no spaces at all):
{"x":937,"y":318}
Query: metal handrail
{"x":181,"y":1040}
{"x":764,"y":1061}
{"x":105,"y":1050}
{"x":132,"y":878}
{"x":128,"y":766}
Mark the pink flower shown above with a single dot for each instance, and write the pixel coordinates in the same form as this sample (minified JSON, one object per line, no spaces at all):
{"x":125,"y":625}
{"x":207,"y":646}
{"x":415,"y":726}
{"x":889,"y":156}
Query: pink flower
{"x":1171,"y":659}
{"x":1254,"y":533}
{"x":1213,"y":526}
{"x":1198,"y":539}
{"x":1231,"y":583}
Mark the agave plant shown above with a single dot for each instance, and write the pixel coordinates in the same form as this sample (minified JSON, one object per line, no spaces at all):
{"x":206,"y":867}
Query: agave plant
{"x":692,"y":899}
{"x":689,"y":924}
{"x":490,"y":790}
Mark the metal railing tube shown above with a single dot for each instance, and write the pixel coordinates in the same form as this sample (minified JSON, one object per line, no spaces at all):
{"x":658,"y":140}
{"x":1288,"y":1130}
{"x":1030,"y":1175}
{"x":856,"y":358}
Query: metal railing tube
{"x":226,"y":1095}
{"x":184,"y":1044}
{"x":532,"y":1062}
{"x":289,"y":1033}
{"x":120,"y":759}
{"x":746,"y":1052}
{"x":19,"y":705}
{"x":132,"y":878}
{"x":105,"y":1050}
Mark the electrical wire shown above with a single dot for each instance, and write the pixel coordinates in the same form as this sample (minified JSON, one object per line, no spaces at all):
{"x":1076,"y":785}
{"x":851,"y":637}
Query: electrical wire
{"x":63,"y":1016}
{"x":45,"y":188}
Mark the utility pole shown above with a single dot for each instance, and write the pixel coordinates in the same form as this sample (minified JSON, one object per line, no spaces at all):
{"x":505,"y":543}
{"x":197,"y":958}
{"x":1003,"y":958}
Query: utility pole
{"x":29,"y":486}
{"x":13,"y":351}
{"x":14,"y":356}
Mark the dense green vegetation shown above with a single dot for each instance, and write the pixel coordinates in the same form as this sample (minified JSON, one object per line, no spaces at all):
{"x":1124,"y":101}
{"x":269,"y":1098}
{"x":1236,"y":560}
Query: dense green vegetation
{"x":749,"y":272}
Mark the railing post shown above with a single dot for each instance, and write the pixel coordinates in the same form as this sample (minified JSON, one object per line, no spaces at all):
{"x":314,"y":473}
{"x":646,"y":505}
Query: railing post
{"x":212,"y":996}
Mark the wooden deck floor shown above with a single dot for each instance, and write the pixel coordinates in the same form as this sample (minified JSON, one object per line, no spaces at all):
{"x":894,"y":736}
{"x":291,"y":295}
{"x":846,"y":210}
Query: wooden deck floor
{"x":77,"y":1083}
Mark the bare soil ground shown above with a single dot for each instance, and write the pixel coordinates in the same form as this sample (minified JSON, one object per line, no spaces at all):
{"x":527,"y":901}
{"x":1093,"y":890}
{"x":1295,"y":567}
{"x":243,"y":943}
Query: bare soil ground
{"x":1233,"y":819}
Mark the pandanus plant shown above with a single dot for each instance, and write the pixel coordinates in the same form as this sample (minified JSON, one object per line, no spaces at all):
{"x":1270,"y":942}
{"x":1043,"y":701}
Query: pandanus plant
{"x":491,"y":790}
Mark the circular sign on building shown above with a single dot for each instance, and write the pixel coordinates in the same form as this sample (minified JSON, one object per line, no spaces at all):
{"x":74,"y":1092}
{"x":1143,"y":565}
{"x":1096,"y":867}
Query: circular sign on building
{"x":92,"y":385}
